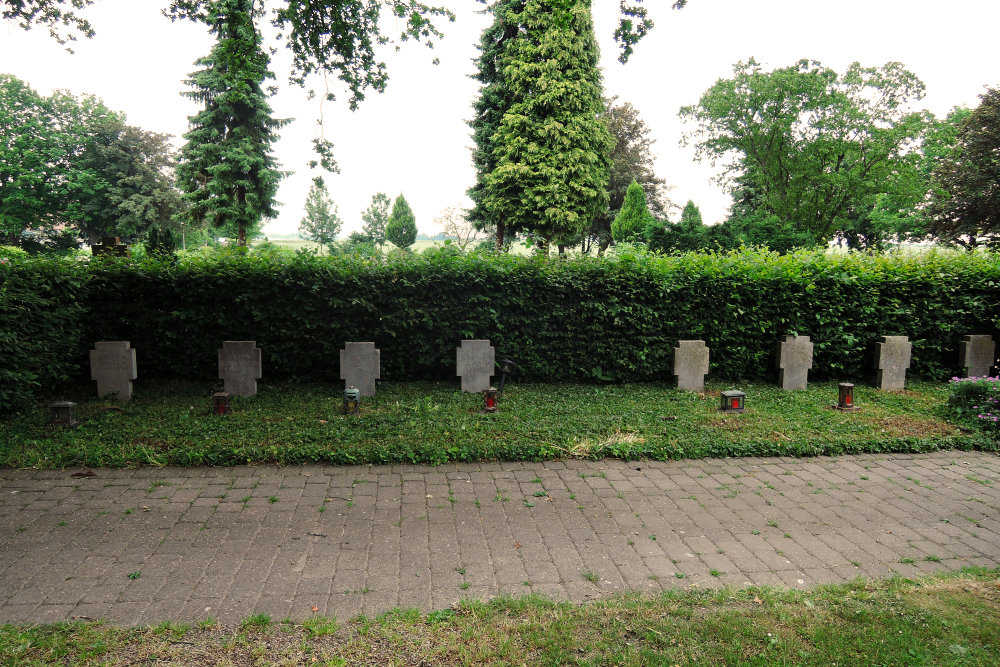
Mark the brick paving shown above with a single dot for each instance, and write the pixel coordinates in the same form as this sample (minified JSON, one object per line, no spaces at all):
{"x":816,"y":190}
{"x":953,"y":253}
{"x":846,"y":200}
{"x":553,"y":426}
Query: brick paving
{"x":144,"y":545}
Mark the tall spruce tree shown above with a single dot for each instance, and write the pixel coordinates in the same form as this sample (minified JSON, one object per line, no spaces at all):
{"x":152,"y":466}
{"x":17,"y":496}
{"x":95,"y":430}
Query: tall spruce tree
{"x":633,"y":218}
{"x":226,"y":169}
{"x":401,"y":229}
{"x":544,"y":169}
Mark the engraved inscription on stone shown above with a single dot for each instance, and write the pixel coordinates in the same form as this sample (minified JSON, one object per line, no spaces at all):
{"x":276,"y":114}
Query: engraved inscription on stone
{"x":691,"y":364}
{"x":977,"y":354}
{"x":112,"y":364}
{"x":360,"y":365}
{"x":892,"y":358}
{"x":240,"y":366}
{"x":795,"y":358}
{"x":475,"y":361}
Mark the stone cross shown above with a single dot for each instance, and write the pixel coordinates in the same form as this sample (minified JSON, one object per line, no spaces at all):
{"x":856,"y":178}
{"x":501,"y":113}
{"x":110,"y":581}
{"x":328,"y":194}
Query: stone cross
{"x":795,"y":358}
{"x":240,"y":366}
{"x":475,"y":362}
{"x":360,"y":364}
{"x":892,"y":358}
{"x":112,"y":364}
{"x":976,"y":355}
{"x":691,"y":364}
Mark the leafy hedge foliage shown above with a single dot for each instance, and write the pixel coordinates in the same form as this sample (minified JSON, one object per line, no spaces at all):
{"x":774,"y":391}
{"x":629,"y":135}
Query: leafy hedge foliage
{"x":41,"y":319}
{"x":613,"y":319}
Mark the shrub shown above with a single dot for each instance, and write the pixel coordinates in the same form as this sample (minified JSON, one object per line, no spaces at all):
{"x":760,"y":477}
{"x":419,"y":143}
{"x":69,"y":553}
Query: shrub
{"x":975,"y":402}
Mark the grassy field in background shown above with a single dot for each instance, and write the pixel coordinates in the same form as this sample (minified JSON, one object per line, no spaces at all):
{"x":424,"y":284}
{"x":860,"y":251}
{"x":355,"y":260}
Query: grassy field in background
{"x":949,"y":619}
{"x":426,"y":422}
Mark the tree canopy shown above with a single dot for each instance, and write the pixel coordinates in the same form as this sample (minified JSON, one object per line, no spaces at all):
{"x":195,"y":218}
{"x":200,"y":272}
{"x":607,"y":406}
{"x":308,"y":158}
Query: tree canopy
{"x":226,"y":169}
{"x":401,"y":229}
{"x":321,"y":223}
{"x":814,"y":148}
{"x":376,"y":217}
{"x":966,"y":209}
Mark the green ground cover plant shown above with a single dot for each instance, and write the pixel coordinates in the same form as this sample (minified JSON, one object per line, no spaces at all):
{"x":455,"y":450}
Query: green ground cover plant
{"x":170,"y":424}
{"x":949,"y":619}
{"x":975,"y":403}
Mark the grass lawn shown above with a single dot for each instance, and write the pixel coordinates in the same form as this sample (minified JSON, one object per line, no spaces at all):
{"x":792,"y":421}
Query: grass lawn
{"x":170,"y":423}
{"x":949,"y":619}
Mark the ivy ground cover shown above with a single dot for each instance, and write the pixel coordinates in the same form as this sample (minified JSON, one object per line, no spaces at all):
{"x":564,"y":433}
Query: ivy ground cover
{"x":169,"y":423}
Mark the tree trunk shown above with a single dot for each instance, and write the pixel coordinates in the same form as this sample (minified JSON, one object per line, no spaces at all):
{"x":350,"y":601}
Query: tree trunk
{"x":604,"y":246}
{"x":500,"y":230}
{"x":241,"y":236}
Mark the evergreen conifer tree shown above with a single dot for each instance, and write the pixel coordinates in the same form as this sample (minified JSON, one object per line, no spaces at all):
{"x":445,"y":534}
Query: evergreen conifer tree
{"x":321,"y":223}
{"x":401,"y":229}
{"x":634,"y":217}
{"x":226,"y":169}
{"x":544,"y":168}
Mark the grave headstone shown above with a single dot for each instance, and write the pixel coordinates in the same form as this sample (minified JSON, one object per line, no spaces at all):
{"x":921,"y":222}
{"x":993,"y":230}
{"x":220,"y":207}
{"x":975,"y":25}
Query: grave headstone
{"x":795,"y":358}
{"x":110,"y":245}
{"x":892,"y":358}
{"x":240,"y":366}
{"x":360,"y":365}
{"x":475,"y":361}
{"x":691,"y":364}
{"x":976,"y":355}
{"x":112,"y":364}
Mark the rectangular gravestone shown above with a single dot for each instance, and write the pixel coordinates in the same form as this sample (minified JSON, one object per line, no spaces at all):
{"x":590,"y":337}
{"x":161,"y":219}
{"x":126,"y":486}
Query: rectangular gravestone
{"x":360,"y":365}
{"x":795,"y":358}
{"x":112,"y":364}
{"x":240,"y":366}
{"x":691,"y":365}
{"x":976,"y":355}
{"x":892,"y":358}
{"x":475,"y":362}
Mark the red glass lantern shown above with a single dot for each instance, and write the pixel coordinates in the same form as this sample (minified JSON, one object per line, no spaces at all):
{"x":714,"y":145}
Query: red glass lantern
{"x":845,"y":397}
{"x":220,"y":403}
{"x":489,"y":400}
{"x":733,"y":401}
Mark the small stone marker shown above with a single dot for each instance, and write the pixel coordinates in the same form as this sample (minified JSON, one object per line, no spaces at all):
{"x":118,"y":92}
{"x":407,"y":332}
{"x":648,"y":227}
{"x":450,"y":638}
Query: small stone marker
{"x":976,"y":355}
{"x":110,"y":245}
{"x":360,"y":364}
{"x":795,"y":358}
{"x":112,"y":364}
{"x":475,"y":362}
{"x":240,"y":366}
{"x":691,"y":364}
{"x":892,"y":358}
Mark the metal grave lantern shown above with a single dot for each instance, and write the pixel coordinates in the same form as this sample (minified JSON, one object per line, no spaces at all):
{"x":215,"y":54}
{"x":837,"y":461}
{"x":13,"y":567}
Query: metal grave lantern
{"x":489,"y":400}
{"x":220,"y":403}
{"x":352,"y":401}
{"x":733,"y":401}
{"x":845,"y":397}
{"x":506,"y":366}
{"x":63,"y":414}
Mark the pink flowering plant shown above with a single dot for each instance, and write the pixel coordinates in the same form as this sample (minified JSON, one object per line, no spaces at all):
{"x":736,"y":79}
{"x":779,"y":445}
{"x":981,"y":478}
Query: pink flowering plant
{"x":975,"y":401}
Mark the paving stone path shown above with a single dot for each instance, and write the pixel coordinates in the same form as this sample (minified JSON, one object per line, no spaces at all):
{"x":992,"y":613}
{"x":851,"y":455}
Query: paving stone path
{"x":144,"y":545}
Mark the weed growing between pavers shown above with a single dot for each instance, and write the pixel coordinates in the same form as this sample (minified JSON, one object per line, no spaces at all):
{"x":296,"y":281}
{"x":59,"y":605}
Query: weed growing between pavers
{"x":170,"y":424}
{"x":947,"y":619}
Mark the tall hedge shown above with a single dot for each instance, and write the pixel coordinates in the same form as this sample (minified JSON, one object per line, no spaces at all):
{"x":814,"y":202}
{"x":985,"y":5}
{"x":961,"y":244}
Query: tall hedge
{"x":611,"y":319}
{"x":41,"y":322}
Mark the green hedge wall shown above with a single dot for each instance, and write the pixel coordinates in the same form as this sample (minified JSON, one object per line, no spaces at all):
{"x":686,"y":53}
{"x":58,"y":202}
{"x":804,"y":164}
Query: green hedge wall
{"x":614,"y":319}
{"x":41,"y":322}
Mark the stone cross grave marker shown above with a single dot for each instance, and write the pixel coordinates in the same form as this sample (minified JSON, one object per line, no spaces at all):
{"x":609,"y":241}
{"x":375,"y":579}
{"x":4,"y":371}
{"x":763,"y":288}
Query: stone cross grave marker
{"x":892,"y":358}
{"x":240,"y":366}
{"x":691,"y":364}
{"x":360,"y":364}
{"x":795,"y":358}
{"x":976,"y":355}
{"x":475,"y":362}
{"x":112,"y":364}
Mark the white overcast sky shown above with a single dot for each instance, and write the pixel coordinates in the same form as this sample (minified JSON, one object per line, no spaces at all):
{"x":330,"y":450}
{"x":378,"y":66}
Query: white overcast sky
{"x":414,"y":139}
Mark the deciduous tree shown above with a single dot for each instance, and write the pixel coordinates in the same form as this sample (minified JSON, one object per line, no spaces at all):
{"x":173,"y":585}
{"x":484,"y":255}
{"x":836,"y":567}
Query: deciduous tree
{"x":817,"y":149}
{"x":966,"y":209}
{"x":376,"y":217}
